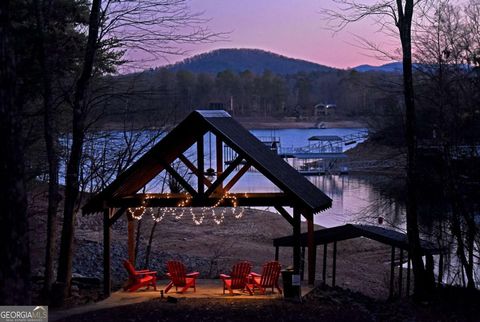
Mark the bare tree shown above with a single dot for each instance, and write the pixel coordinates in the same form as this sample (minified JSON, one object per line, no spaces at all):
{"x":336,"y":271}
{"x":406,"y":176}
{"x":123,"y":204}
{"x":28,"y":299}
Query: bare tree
{"x":152,"y":29}
{"x":73,"y":166}
{"x":43,"y":11}
{"x":115,"y":26}
{"x":446,"y":45}
{"x":400,"y":13}
{"x":14,"y":239}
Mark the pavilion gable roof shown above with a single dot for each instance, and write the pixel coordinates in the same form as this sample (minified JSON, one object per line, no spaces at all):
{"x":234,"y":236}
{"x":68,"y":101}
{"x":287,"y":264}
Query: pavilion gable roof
{"x":222,"y":125}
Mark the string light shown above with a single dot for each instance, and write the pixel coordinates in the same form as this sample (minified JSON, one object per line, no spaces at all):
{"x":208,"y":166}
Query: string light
{"x":158,"y":216}
{"x":133,"y":212}
{"x":196,"y":220}
{"x":142,"y":209}
{"x":218,"y":219}
{"x":227,"y":198}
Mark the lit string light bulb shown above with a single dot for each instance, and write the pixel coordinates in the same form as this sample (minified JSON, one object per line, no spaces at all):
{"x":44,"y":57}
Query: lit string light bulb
{"x":198,"y":220}
{"x":218,"y":219}
{"x":158,"y":216}
{"x":138,"y":212}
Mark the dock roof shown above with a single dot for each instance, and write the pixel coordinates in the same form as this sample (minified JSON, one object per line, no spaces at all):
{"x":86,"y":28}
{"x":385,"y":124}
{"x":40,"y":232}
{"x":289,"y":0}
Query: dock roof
{"x":329,"y":138}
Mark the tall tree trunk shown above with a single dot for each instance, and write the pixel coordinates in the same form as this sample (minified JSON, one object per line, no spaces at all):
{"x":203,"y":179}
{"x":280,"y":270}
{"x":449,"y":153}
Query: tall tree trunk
{"x":73,"y":166}
{"x":464,"y":236}
{"x":137,"y":241}
{"x":149,"y":246}
{"x":42,"y":11}
{"x":404,"y":26}
{"x":14,"y":239}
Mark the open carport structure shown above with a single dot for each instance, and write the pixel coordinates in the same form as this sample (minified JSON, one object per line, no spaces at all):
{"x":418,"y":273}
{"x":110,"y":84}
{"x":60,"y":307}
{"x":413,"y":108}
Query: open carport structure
{"x":390,"y":237}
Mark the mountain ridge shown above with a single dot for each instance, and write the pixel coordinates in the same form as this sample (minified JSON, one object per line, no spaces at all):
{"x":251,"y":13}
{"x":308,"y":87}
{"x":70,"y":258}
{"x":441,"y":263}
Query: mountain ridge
{"x":242,"y":59}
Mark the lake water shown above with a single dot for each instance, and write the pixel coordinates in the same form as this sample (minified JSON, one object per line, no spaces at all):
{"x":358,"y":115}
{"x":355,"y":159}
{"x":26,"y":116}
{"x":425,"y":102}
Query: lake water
{"x":355,"y":198}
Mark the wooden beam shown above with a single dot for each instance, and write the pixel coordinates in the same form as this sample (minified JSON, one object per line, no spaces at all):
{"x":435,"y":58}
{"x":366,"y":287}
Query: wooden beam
{"x":180,"y":179}
{"x":194,"y":169}
{"x":311,"y":250}
{"x":334,"y":265}
{"x":285,"y":214}
{"x":219,"y":153}
{"x":131,"y":239}
{"x":392,"y":272}
{"x":116,"y":216}
{"x":260,"y":199}
{"x":218,"y":183}
{"x":106,"y":254}
{"x":237,"y":177}
{"x":302,"y":265}
{"x":324,"y":271}
{"x":400,"y":274}
{"x":201,"y":165}
{"x":440,"y":270}
{"x":296,"y":241}
{"x":276,"y":253}
{"x":408,"y":275}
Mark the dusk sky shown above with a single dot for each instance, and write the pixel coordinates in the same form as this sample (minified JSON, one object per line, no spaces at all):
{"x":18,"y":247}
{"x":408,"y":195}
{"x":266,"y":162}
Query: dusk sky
{"x":288,"y":27}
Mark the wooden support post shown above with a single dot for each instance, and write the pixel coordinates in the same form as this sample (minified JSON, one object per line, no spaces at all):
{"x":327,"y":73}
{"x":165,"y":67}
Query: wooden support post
{"x":219,"y":153}
{"x":392,"y":272}
{"x":408,"y":275}
{"x":324,"y":271}
{"x":131,"y":239}
{"x":334,"y":266}
{"x":276,"y":253}
{"x":296,"y":241}
{"x":106,"y":254}
{"x":201,"y":165}
{"x":440,"y":270}
{"x":400,"y":274}
{"x":302,"y":265}
{"x":311,"y":250}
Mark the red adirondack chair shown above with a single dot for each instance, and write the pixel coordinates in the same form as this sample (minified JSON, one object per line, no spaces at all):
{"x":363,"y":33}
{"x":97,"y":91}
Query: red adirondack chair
{"x":179,"y":278}
{"x":137,"y":279}
{"x":238,"y":278}
{"x":268,"y":278}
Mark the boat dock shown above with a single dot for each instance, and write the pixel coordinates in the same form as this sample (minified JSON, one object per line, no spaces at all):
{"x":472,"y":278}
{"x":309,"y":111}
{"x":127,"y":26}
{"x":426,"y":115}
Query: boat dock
{"x":324,"y":154}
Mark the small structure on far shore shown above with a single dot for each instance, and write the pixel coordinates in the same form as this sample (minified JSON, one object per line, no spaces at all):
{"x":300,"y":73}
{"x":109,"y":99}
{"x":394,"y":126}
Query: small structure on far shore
{"x":324,"y":109}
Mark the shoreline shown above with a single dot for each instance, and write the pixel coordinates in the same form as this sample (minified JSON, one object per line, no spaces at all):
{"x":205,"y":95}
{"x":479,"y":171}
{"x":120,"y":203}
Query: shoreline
{"x":253,"y":124}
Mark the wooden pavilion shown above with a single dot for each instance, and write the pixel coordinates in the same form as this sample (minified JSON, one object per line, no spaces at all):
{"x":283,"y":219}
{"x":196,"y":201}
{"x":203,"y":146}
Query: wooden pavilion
{"x":295,"y":191}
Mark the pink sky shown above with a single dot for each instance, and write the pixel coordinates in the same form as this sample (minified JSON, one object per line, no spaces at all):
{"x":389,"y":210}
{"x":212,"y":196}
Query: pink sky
{"x":294,"y":28}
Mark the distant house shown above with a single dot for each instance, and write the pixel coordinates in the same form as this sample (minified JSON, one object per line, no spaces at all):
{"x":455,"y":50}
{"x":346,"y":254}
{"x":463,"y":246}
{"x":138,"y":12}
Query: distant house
{"x":324,"y":109}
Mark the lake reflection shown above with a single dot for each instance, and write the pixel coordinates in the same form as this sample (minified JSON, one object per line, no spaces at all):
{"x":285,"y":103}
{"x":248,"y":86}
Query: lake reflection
{"x":356,"y":199}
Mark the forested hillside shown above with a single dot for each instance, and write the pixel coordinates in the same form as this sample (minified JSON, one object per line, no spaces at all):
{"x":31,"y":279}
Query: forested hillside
{"x":172,"y":94}
{"x":239,"y":60}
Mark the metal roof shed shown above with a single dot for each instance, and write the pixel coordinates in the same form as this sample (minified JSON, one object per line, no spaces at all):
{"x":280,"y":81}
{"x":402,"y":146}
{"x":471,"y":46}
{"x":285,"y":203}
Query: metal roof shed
{"x":383,"y":235}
